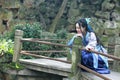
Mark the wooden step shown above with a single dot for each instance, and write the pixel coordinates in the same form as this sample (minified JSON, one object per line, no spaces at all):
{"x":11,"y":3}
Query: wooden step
{"x":89,"y":76}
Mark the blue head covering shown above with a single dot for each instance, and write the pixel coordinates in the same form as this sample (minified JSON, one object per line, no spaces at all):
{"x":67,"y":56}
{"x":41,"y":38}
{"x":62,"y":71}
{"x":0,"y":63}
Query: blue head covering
{"x":89,"y":27}
{"x":85,"y":23}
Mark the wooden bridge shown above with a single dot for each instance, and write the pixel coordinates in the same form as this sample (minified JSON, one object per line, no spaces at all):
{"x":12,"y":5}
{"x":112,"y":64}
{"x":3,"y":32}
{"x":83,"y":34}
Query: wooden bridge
{"x":61,"y":66}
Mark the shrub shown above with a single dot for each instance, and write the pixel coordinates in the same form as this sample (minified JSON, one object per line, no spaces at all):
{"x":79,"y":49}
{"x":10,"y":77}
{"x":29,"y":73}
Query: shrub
{"x":6,"y":46}
{"x":30,"y":31}
{"x":6,"y":49}
{"x":34,"y":30}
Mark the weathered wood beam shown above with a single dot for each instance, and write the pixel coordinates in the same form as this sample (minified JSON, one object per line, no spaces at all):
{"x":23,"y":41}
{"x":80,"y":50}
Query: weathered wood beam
{"x":57,"y":44}
{"x":49,"y":51}
{"x":93,"y":72}
{"x":39,"y":56}
{"x":44,"y":42}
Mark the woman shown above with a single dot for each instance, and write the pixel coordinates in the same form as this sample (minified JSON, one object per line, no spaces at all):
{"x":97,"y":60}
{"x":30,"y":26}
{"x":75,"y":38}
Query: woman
{"x":91,"y":60}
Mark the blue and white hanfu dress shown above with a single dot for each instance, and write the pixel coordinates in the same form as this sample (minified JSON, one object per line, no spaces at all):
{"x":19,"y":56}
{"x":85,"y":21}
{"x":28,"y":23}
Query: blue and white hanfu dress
{"x":91,"y":60}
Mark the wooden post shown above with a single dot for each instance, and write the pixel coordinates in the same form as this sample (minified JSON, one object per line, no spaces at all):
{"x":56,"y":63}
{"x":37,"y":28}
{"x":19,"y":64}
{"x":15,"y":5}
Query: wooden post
{"x":17,"y":45}
{"x":116,"y":64}
{"x":75,"y":60}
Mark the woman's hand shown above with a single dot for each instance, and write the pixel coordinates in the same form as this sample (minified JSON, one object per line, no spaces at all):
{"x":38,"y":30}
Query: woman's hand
{"x":89,"y":49}
{"x":79,"y":35}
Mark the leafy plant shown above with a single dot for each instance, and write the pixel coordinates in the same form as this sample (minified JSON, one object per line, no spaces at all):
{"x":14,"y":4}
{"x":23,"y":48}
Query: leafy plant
{"x":31,"y":30}
{"x":34,"y":30}
{"x":6,"y":46}
{"x":16,"y":66}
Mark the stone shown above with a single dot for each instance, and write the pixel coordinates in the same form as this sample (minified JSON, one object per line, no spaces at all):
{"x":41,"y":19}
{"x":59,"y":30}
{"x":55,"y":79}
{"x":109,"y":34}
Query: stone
{"x":107,"y":6}
{"x":110,"y":24}
{"x":73,"y":12}
{"x":103,"y":15}
{"x":115,"y":16}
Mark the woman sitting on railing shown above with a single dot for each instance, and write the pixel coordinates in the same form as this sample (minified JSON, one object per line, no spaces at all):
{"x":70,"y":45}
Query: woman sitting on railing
{"x":90,"y":41}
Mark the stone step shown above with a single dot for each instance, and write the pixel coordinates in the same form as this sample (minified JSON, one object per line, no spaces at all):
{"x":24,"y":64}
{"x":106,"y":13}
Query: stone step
{"x":46,"y":65}
{"x":89,"y":76}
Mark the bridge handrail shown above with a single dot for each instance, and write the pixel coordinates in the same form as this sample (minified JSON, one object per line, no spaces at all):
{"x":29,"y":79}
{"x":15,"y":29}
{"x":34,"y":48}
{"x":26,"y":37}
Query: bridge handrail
{"x":57,"y":44}
{"x":19,"y":40}
{"x":81,"y":66}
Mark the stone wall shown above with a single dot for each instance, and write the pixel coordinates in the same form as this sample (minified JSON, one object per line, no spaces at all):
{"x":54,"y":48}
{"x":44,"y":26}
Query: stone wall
{"x":104,"y":13}
{"x":27,"y":74}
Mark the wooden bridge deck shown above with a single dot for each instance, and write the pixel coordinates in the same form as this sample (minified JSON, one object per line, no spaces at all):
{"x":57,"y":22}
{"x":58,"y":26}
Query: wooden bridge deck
{"x":61,"y":68}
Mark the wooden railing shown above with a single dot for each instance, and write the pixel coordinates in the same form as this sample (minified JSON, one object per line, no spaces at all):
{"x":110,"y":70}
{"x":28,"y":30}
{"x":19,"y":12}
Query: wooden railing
{"x":75,"y":53}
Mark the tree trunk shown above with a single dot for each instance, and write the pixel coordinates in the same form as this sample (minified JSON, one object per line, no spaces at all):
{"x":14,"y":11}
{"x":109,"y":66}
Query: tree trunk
{"x":58,"y":16}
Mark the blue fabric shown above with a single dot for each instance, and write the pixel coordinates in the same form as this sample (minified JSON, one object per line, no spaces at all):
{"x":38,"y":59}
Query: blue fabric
{"x":90,"y":28}
{"x":87,"y":60}
{"x":94,"y":61}
{"x":101,"y":49}
{"x":87,"y":20}
{"x":85,"y":39}
{"x":70,"y":42}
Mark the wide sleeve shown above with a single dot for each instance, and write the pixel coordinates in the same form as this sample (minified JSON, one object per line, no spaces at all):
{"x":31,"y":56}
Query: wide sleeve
{"x":92,"y":41}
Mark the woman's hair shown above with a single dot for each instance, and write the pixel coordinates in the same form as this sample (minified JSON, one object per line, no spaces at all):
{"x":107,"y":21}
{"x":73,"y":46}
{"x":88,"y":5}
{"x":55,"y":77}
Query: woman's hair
{"x":83,"y":23}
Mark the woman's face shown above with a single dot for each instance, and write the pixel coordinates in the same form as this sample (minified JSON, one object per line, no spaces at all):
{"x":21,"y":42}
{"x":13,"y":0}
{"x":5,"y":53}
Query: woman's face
{"x":78,"y":28}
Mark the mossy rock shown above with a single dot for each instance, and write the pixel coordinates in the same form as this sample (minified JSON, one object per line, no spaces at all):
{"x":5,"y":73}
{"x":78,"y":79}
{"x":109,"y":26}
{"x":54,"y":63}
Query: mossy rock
{"x":11,"y":4}
{"x":74,"y":12}
{"x":2,"y":28}
{"x":6,"y":15}
{"x":110,"y":31}
{"x":118,"y":31}
{"x":104,"y":40}
{"x":107,"y":6}
{"x":103,"y":15}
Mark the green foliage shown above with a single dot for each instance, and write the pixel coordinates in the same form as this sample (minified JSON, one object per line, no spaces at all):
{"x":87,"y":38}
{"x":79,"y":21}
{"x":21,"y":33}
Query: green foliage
{"x":34,"y":30}
{"x":43,"y":8}
{"x":7,"y":49}
{"x":62,"y":23}
{"x":30,"y":31}
{"x":16,"y":66}
{"x":6,"y":46}
{"x":62,"y":34}
{"x":12,"y":65}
